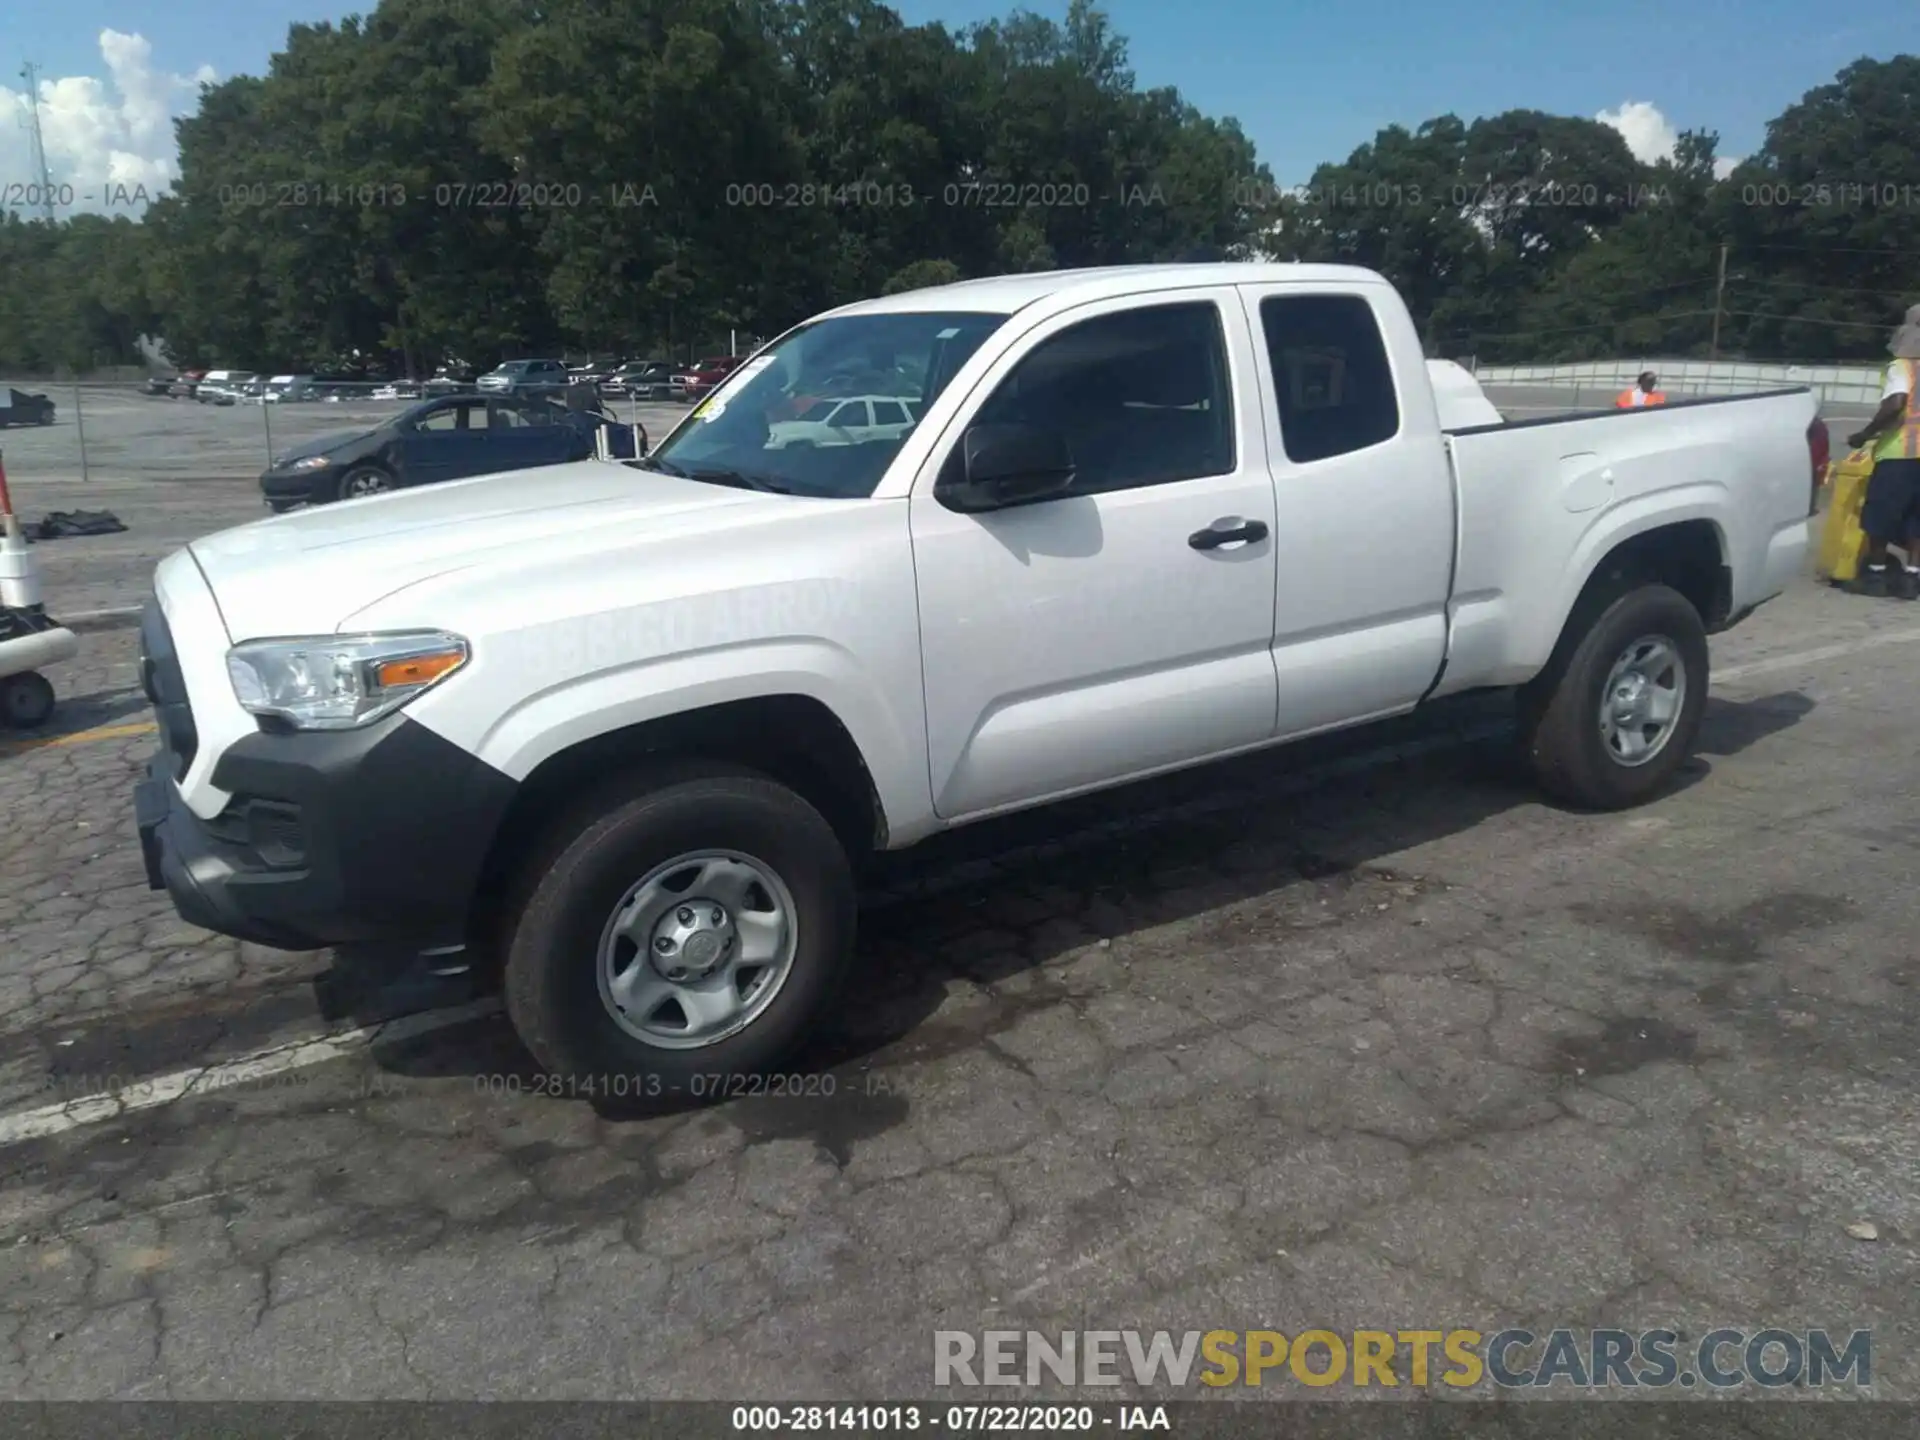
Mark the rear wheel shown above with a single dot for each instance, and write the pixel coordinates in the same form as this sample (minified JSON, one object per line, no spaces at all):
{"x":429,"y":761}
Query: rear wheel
{"x":26,"y":700}
{"x":1616,"y":712}
{"x":695,"y":925}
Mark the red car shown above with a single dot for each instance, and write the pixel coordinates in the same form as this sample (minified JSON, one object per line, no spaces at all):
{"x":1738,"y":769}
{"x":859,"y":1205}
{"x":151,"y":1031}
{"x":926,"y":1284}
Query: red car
{"x":706,"y":377}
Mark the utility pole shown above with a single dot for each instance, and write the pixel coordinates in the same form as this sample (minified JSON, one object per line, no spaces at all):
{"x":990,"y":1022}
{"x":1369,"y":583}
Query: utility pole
{"x":30,"y":73}
{"x":1719,"y":294}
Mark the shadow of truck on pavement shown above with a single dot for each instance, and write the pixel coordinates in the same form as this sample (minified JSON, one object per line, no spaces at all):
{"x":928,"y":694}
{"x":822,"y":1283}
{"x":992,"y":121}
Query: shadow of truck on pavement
{"x":1007,"y":898}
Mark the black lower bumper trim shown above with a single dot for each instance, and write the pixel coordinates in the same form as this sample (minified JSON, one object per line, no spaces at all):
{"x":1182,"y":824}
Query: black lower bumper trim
{"x":350,"y":837}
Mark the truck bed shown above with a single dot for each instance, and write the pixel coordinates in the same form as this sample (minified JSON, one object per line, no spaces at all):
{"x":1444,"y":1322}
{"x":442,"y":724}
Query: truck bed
{"x":1535,"y":495}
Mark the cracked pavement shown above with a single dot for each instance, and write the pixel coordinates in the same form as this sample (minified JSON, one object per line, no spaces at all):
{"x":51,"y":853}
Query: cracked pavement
{"x":1360,"y":1035}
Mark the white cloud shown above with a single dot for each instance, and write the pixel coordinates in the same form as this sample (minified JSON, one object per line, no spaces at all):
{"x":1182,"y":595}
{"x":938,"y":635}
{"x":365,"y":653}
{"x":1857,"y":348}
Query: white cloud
{"x":105,"y":138}
{"x":1650,"y":135}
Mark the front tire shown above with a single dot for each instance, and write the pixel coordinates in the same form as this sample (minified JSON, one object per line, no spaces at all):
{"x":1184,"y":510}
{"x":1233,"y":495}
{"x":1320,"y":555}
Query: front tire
{"x":694,"y":925}
{"x":361,"y":481}
{"x":1615,"y":714}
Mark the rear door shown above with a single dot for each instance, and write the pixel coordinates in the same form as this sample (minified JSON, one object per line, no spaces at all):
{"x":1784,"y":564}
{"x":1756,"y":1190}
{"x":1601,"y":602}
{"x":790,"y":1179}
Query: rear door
{"x":1123,"y":627}
{"x":1364,"y":496}
{"x":445,"y":442}
{"x":523,"y":433}
{"x":890,"y":419}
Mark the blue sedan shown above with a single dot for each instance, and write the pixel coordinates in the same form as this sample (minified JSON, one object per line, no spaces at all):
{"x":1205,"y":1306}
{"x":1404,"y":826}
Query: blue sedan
{"x":448,"y":438}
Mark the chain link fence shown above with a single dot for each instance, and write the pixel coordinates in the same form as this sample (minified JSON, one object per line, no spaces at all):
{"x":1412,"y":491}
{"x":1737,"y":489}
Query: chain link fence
{"x":64,"y":430}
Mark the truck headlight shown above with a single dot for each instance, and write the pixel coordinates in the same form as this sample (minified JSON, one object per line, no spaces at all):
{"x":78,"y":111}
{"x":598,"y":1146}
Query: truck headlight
{"x":339,"y":682}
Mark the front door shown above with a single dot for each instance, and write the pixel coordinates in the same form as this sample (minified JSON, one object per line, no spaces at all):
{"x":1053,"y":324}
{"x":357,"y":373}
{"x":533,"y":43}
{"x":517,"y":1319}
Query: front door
{"x":445,"y":443}
{"x":1122,"y":627}
{"x":850,"y":423}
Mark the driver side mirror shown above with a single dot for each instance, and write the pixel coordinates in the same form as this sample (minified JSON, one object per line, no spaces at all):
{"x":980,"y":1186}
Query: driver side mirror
{"x":1006,"y":465}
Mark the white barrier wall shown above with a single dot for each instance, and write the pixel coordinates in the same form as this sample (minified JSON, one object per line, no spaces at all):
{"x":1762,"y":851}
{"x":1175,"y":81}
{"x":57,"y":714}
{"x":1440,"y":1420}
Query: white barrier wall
{"x":1834,"y":384}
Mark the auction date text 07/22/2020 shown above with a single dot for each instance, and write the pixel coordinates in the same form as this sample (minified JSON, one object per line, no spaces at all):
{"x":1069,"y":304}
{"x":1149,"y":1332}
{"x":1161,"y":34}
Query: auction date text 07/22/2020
{"x":1254,"y":192}
{"x":632,"y":194}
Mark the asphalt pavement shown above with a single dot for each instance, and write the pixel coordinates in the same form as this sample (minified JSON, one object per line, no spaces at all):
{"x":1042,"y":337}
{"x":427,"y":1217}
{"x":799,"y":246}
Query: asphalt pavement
{"x":1359,"y":1034}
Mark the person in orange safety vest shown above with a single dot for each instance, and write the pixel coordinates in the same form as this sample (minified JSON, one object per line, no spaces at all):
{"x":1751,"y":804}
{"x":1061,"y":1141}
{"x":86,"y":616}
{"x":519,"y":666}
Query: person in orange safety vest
{"x":1646,"y":392}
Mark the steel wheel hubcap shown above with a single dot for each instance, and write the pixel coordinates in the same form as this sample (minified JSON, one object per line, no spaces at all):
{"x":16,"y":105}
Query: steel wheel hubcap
{"x":366,"y":485}
{"x":697,"y":950}
{"x":1641,"y":701}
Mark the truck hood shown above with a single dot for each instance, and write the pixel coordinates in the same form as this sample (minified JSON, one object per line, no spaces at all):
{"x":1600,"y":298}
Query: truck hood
{"x":307,"y":572}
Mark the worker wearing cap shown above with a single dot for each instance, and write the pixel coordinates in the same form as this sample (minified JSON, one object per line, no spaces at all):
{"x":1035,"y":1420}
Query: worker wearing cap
{"x":1890,"y":515}
{"x":1646,"y":391}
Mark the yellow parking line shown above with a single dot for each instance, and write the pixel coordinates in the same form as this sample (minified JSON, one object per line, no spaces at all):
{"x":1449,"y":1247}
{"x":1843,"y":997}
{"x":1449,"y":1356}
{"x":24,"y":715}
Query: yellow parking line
{"x":79,"y":737}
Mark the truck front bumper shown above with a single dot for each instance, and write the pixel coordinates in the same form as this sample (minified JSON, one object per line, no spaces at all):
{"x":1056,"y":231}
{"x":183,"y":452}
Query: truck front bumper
{"x":328,"y":844}
{"x":377,"y":835}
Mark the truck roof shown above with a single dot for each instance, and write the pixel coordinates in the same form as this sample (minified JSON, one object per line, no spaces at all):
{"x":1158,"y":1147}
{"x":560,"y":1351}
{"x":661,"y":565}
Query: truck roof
{"x":1004,"y":294}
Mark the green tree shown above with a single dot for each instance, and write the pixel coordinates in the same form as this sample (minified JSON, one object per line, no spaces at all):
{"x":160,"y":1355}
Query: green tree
{"x":1820,"y":220}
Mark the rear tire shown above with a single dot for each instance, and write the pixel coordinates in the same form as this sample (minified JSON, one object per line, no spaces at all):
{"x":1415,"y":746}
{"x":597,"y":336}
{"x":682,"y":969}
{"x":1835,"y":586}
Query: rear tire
{"x":1589,"y":724}
{"x":577,"y":893}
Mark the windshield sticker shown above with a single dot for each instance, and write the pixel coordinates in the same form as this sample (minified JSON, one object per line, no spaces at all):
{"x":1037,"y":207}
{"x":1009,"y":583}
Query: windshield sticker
{"x":715,"y":405}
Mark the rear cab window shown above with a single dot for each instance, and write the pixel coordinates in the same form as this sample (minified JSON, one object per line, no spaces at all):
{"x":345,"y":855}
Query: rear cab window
{"x":1333,"y":385}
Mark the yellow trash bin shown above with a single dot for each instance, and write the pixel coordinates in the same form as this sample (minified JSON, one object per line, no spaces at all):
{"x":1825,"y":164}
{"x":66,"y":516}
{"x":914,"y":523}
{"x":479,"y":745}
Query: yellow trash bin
{"x":1841,"y":537}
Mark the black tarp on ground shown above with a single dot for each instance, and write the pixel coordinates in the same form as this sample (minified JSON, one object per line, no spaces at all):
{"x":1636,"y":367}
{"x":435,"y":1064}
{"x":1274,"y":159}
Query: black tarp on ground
{"x":65,"y":524}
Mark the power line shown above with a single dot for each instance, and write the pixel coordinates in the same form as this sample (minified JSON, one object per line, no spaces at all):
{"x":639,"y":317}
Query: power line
{"x":1793,"y":284}
{"x":1649,"y":290}
{"x":1663,"y":316}
{"x":1809,"y":320}
{"x":1834,"y":249}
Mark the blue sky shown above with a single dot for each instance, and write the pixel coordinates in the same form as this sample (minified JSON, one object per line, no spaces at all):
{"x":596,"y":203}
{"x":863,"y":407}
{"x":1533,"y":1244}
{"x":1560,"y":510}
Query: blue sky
{"x":1308,"y":81}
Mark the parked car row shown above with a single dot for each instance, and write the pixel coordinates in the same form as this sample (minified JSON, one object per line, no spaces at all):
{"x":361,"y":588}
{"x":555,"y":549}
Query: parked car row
{"x":545,"y":379}
{"x":247,"y":387}
{"x":632,"y":379}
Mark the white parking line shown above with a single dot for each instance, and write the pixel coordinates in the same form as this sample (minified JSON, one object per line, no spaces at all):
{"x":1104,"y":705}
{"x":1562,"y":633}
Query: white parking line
{"x":265,"y":1065}
{"x":1838,"y":651}
{"x":248,"y":1070}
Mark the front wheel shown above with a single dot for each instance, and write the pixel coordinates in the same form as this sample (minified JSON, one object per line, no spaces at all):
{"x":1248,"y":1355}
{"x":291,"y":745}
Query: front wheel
{"x":695,"y":925}
{"x":1612,"y":719}
{"x":364,"y":480}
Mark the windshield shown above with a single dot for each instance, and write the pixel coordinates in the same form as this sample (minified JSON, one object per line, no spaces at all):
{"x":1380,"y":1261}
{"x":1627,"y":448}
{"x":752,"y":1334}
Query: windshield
{"x":906,"y":356}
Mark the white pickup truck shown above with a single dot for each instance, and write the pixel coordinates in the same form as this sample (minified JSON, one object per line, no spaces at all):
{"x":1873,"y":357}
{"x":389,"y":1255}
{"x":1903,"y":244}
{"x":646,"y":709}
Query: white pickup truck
{"x":630,"y":727}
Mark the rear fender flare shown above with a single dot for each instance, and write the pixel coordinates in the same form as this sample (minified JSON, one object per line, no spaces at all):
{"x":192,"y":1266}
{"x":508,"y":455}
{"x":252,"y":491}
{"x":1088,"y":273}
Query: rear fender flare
{"x":1704,"y":501}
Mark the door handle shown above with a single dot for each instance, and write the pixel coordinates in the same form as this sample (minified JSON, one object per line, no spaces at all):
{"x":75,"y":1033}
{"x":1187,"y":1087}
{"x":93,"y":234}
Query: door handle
{"x":1227,"y":532}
